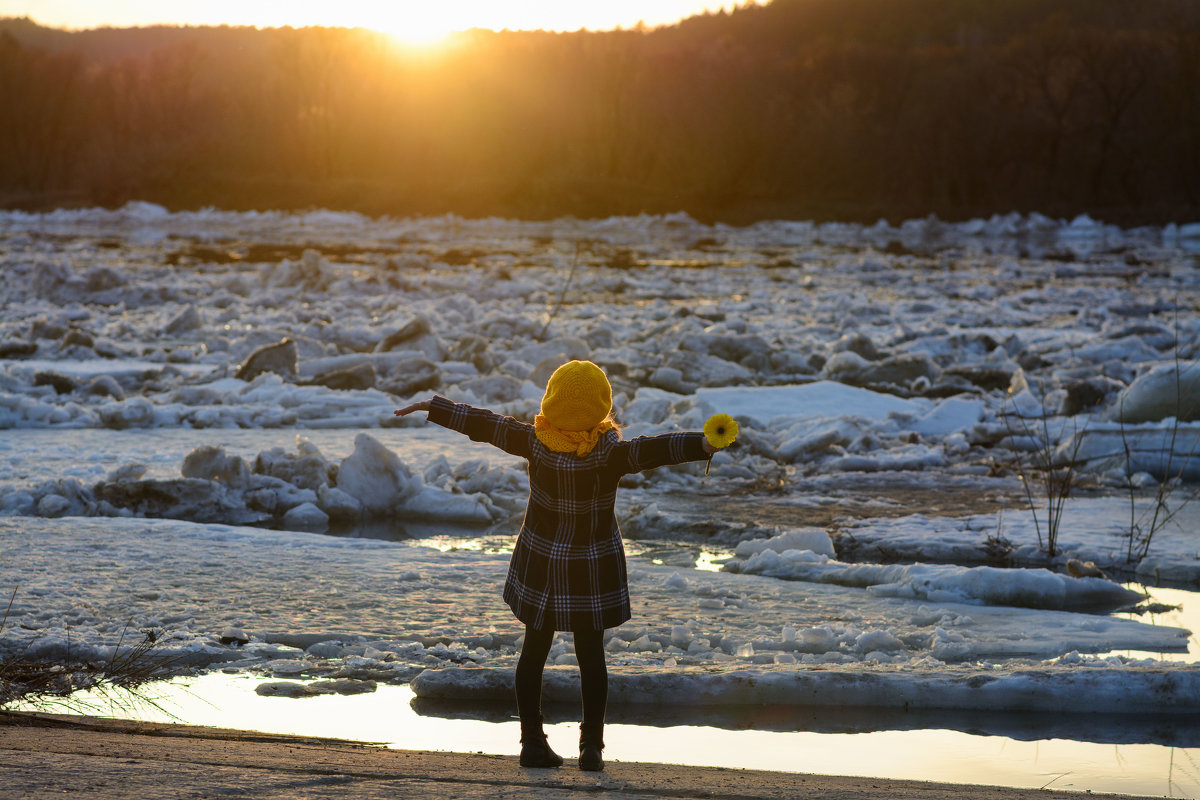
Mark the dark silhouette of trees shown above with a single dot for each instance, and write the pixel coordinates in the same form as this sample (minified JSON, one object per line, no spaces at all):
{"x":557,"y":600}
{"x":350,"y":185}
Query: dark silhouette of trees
{"x":821,"y":109}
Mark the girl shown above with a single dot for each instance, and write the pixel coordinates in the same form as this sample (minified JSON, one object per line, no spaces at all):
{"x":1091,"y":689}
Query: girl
{"x":567,"y":571}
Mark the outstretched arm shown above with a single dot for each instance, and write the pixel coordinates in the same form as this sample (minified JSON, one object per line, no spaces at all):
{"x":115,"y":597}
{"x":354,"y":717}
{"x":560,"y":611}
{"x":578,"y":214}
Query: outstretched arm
{"x":649,"y":452}
{"x":481,"y":425}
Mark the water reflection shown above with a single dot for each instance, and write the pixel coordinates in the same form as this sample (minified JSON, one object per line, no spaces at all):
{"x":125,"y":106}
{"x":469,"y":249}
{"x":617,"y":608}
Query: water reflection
{"x":1176,"y":608}
{"x":1097,"y":728}
{"x":1094,"y":753}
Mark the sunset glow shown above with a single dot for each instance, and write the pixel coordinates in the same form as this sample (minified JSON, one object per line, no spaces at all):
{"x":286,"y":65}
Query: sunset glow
{"x":416,"y":22}
{"x":419,"y":26}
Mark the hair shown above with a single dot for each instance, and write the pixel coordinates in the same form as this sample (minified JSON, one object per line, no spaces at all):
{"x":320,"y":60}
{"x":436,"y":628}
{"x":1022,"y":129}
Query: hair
{"x":616,"y":426}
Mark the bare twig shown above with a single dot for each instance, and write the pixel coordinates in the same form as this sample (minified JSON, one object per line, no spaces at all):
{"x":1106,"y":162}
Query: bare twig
{"x":562,"y":295}
{"x":1056,"y":482}
{"x":11,"y":599}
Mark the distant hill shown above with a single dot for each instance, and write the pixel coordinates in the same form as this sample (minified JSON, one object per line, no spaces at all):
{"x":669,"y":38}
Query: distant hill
{"x":816,"y":109}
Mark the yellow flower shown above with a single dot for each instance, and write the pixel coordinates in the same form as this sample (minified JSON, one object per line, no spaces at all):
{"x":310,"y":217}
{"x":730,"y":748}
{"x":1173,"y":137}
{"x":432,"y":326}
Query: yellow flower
{"x":720,"y":430}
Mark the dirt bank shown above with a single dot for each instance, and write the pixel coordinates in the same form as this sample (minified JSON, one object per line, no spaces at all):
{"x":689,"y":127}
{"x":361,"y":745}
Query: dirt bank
{"x":43,"y":756}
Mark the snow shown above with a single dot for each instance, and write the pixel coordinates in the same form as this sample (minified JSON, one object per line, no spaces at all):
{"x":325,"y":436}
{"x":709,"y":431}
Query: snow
{"x":1031,"y":588}
{"x":763,"y":406}
{"x":814,"y":542}
{"x":952,"y":415}
{"x":323,"y":607}
{"x":143,"y":486}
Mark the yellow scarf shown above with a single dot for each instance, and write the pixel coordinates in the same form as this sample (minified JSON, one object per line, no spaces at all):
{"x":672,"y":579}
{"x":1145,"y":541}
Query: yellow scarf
{"x":560,"y":441}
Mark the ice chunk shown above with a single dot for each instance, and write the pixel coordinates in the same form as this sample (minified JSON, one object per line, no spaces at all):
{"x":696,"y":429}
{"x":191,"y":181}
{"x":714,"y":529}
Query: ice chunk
{"x":375,"y":476}
{"x":761,"y":404}
{"x":818,"y":639}
{"x":1172,"y":689}
{"x":952,"y":415}
{"x":1168,"y":390}
{"x":676,"y":581}
{"x":1031,"y":588}
{"x":681,"y":636}
{"x":877,"y":640}
{"x":136,"y":412}
{"x":325,"y":650}
{"x":814,"y":540}
{"x":306,"y":517}
{"x":337,"y":504}
{"x":431,"y":503}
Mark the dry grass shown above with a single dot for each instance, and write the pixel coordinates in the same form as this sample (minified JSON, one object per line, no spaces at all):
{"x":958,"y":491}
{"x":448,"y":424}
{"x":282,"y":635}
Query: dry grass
{"x":113,"y":685}
{"x":1042,"y":474}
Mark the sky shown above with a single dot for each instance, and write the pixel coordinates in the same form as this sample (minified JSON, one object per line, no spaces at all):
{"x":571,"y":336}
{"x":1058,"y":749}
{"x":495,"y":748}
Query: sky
{"x":414,"y":20}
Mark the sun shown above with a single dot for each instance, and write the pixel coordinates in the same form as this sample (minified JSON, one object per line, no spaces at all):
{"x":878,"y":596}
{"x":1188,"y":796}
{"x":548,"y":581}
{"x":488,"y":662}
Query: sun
{"x":417,"y":25}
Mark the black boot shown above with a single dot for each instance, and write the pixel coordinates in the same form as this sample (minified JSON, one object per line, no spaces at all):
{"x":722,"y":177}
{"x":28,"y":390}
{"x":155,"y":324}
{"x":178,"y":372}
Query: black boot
{"x":591,"y":742}
{"x":535,"y":750}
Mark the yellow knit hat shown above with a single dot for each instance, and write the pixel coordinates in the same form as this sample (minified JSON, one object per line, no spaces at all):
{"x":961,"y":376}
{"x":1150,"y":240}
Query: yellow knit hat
{"x":575,"y":408}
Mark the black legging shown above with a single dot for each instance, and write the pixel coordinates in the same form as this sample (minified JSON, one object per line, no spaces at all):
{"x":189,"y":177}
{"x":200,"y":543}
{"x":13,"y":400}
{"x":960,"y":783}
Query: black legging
{"x":593,"y":673}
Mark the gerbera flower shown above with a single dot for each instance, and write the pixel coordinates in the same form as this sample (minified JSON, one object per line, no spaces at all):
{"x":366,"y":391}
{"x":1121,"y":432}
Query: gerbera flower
{"x":720,"y":430}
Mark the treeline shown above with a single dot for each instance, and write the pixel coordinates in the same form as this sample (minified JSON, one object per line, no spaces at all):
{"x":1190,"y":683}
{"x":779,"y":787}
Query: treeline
{"x":813,"y":109}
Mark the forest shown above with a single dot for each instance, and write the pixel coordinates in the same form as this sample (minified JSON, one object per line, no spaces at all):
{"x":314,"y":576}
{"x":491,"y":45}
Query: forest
{"x":801,"y":109}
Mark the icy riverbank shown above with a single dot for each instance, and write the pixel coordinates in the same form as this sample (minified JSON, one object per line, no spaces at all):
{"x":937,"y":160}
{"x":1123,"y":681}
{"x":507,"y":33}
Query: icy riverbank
{"x":297,"y":605}
{"x":188,"y":400}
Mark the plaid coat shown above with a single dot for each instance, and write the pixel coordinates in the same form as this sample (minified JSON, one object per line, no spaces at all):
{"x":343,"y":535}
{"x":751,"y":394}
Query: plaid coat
{"x":568,"y":566}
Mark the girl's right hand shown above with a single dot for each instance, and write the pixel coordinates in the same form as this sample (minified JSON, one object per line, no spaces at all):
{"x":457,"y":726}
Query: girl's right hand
{"x":421,"y":406}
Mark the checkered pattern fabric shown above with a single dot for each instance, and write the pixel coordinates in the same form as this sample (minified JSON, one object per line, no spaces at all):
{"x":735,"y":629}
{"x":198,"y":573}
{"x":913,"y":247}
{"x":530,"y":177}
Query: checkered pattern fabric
{"x":568,"y":566}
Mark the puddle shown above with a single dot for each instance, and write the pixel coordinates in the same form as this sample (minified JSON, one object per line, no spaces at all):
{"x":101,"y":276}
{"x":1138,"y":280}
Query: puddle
{"x":1169,"y":767}
{"x":1181,"y":610}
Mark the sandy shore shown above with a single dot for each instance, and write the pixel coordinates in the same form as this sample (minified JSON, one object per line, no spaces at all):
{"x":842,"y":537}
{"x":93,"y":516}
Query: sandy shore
{"x":43,"y":756}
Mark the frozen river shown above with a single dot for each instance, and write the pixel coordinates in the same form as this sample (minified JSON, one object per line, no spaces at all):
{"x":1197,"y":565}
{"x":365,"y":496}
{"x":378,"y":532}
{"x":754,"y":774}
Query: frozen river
{"x":200,"y":447}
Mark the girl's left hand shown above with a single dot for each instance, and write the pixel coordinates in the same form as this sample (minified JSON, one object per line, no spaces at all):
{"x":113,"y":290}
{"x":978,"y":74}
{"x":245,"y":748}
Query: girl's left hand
{"x":421,"y":406}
